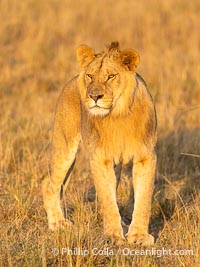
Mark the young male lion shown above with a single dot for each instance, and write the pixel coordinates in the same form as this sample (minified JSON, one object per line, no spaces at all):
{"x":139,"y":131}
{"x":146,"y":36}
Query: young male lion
{"x":107,"y":107}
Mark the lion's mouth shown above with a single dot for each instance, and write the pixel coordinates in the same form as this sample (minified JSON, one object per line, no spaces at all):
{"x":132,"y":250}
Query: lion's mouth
{"x":97,"y":106}
{"x":106,"y":104}
{"x":97,"y":110}
{"x":100,"y":107}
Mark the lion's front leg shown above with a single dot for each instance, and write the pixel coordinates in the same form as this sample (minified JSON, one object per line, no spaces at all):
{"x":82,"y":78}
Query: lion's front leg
{"x":143,"y":181}
{"x":63,"y":157}
{"x":105,"y":184}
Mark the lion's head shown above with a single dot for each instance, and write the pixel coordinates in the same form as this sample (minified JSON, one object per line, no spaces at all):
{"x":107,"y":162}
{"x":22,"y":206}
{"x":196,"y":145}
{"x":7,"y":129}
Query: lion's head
{"x":106,"y":81}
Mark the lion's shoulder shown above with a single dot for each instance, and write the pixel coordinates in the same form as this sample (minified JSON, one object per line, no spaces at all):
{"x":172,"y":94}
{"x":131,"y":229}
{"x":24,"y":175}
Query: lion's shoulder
{"x":68,"y":104}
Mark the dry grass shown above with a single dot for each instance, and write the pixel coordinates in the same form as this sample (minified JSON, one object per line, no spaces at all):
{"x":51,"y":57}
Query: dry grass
{"x":37,"y":57}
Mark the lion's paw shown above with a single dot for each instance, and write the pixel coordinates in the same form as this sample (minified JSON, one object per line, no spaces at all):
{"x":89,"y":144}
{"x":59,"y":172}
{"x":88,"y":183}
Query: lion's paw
{"x":115,"y":240}
{"x":61,"y":224}
{"x":145,"y":240}
{"x":115,"y":235}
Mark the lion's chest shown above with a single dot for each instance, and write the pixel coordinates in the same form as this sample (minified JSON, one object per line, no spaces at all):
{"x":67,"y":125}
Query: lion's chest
{"x":118,"y":139}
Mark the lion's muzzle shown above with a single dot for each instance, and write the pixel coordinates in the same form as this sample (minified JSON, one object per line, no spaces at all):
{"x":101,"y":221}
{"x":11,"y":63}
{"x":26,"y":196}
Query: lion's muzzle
{"x":98,"y":103}
{"x":96,"y":97}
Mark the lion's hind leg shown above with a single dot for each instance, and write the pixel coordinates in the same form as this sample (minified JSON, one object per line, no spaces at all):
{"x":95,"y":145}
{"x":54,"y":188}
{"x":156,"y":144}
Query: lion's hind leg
{"x":118,"y":171}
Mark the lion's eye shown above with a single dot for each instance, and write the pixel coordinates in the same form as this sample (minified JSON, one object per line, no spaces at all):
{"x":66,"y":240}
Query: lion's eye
{"x":111,"y":76}
{"x":89,"y":75}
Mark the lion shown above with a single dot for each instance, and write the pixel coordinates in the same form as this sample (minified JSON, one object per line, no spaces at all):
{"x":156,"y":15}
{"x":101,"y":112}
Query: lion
{"x":109,"y":109}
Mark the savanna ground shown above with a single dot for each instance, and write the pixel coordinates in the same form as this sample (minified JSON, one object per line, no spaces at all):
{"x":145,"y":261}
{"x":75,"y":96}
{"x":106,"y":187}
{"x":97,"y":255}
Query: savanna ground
{"x":37,"y":58}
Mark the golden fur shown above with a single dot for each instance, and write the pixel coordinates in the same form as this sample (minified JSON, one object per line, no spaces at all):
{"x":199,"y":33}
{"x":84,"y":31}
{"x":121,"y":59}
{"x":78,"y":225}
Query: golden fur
{"x":107,"y":107}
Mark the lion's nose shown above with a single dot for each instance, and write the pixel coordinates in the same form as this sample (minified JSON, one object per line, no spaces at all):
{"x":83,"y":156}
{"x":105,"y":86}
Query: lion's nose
{"x":96,"y":97}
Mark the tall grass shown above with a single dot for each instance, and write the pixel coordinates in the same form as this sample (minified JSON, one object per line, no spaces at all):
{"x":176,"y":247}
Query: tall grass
{"x":37,"y":57}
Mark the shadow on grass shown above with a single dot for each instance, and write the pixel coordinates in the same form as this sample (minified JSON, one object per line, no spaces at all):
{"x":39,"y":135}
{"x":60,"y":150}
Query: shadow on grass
{"x":178,"y":173}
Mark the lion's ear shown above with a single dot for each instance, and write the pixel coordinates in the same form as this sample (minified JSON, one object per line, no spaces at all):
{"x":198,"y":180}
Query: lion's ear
{"x":130,"y":59}
{"x":85,"y":55}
